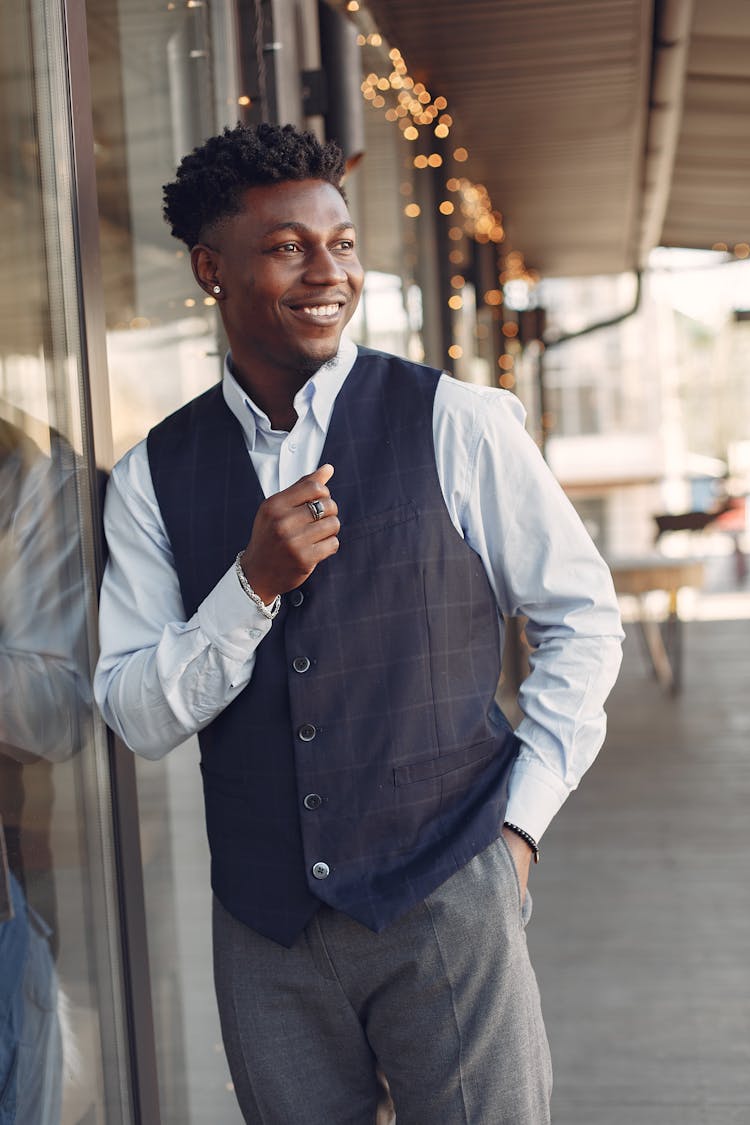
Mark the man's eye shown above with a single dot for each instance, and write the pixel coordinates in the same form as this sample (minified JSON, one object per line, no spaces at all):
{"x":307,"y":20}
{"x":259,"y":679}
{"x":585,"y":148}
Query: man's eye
{"x":288,"y":247}
{"x":346,"y":244}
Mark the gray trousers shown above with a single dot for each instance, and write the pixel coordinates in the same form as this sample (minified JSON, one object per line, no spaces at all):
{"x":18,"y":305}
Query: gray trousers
{"x":444,"y":1002}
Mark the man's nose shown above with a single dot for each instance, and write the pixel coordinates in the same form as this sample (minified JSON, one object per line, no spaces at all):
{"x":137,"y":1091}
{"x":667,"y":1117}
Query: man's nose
{"x":324,"y":268}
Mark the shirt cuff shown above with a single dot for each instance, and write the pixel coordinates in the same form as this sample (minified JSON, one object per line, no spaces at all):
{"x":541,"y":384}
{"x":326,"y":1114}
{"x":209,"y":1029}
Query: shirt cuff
{"x":230,"y":620}
{"x":535,"y":795}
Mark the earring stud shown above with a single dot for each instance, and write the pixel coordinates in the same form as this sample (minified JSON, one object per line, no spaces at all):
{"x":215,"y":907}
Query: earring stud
{"x":217,"y":289}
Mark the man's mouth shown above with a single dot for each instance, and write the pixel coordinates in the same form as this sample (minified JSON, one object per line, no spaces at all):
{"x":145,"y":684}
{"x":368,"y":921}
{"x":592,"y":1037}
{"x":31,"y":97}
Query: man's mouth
{"x":328,"y":312}
{"x":321,"y":312}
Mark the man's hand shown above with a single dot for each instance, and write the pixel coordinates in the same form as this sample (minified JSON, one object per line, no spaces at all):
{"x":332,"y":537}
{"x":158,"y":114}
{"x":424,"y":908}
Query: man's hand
{"x":522,"y":856}
{"x":287,"y":543}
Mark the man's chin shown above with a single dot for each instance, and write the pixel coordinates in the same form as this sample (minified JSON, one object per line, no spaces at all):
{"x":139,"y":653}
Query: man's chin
{"x":309,"y":364}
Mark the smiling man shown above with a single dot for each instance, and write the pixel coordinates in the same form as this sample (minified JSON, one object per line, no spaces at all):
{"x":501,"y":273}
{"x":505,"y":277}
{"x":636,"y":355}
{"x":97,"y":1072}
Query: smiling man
{"x":309,"y":566}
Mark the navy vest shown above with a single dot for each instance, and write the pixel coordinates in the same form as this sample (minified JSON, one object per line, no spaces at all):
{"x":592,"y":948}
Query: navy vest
{"x":366,"y":761}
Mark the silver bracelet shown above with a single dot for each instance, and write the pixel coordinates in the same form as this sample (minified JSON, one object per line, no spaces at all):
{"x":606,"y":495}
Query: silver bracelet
{"x":268,"y":611}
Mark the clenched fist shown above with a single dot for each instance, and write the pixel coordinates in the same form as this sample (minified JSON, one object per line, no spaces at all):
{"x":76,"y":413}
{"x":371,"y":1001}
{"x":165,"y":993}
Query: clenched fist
{"x":287,"y":543}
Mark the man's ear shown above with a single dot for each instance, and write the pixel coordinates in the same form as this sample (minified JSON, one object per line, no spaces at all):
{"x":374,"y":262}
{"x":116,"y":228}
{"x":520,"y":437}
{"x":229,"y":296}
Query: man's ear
{"x":205,"y":264}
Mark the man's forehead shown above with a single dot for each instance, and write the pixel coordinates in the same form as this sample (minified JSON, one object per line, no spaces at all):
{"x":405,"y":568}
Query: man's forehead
{"x":300,"y":204}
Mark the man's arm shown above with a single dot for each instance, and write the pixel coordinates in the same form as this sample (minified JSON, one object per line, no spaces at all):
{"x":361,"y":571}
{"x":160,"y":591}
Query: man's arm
{"x":160,"y":677}
{"x":542,"y":564}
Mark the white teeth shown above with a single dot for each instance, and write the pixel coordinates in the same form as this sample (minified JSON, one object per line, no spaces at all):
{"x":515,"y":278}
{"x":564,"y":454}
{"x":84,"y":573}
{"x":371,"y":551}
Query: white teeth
{"x":321,"y":310}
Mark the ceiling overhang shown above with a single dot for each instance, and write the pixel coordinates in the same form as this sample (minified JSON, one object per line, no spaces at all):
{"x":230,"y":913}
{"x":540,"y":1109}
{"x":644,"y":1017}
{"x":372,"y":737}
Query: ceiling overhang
{"x":600,"y":127}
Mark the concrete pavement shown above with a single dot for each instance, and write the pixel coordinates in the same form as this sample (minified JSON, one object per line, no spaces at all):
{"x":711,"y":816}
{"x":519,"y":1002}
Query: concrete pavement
{"x":641,"y":927}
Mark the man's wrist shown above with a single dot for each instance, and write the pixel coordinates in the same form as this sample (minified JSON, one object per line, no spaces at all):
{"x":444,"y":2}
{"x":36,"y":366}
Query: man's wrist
{"x":526,"y":837}
{"x":268,"y":610}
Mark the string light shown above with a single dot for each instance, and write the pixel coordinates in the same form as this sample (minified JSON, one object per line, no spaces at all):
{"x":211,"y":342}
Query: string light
{"x":410,"y":105}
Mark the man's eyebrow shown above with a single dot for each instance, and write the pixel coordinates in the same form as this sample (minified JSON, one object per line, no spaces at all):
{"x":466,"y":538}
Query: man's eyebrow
{"x":301,"y":228}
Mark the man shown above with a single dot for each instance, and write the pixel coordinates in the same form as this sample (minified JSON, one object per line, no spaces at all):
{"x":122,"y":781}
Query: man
{"x":308,"y":564}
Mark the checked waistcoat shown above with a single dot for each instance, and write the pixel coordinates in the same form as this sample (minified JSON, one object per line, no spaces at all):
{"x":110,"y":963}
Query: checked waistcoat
{"x":366,"y":761}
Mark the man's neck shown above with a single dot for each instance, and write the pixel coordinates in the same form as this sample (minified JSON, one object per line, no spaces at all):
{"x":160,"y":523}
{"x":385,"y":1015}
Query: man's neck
{"x":275,"y":397}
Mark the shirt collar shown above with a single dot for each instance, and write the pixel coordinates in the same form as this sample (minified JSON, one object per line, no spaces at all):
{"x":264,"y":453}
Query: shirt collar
{"x":318,"y":393}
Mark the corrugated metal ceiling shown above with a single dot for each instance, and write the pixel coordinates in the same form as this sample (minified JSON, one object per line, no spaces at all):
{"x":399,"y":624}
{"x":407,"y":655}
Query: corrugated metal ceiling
{"x":552,"y":100}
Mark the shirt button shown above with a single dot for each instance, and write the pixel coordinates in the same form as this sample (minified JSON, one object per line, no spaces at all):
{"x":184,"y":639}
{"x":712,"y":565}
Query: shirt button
{"x":296,"y":597}
{"x":307,"y":732}
{"x":254,"y":632}
{"x":321,"y":870}
{"x":312,"y":801}
{"x":300,"y":664}
{"x":292,"y":446}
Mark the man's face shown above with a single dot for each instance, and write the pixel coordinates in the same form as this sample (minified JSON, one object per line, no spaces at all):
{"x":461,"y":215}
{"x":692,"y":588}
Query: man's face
{"x":290,"y":277}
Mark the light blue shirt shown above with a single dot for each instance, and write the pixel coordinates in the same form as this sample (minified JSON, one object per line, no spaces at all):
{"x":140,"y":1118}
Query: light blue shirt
{"x":161,"y":678}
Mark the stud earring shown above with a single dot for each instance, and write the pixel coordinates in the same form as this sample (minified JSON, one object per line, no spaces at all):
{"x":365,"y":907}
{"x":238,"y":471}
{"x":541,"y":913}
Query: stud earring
{"x":216,"y":289}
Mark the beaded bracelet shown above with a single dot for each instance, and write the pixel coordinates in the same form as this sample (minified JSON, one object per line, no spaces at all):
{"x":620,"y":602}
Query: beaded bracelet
{"x":525,"y":837}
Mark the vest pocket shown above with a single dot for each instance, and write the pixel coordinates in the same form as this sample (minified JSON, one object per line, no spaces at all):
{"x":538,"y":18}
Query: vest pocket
{"x":452,"y":763}
{"x":378,"y":521}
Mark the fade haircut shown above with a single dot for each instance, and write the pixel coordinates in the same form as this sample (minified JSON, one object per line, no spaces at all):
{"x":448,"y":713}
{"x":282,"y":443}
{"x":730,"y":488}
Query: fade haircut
{"x":212,"y":179}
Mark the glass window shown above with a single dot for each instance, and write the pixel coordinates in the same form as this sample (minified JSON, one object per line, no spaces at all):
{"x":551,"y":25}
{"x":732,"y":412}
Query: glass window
{"x":163,"y":80}
{"x":63,"y":1057}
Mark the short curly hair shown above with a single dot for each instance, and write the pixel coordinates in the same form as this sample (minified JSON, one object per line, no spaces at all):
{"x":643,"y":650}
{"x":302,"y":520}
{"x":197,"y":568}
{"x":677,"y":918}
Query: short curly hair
{"x":213,"y":177}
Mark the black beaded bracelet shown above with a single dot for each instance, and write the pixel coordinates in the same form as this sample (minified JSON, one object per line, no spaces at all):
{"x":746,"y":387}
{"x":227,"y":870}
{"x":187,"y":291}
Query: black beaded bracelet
{"x":525,"y":837}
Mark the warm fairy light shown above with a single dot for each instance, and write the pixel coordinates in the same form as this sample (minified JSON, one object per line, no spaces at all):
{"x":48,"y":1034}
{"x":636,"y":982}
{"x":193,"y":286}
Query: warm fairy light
{"x":506,"y":362}
{"x":352,"y":6}
{"x":507,"y":381}
{"x":720,"y":246}
{"x":458,"y":281}
{"x":510,"y":329}
{"x":243,"y":99}
{"x":409,"y":104}
{"x":189,"y":302}
{"x":742,"y":250}
{"x":455,"y":351}
{"x":209,"y":300}
{"x":456,"y":257}
{"x":412,"y":210}
{"x":456,"y":302}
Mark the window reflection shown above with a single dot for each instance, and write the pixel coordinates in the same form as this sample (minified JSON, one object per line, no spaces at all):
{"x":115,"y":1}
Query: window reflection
{"x":62,"y":1060}
{"x":44,"y":693}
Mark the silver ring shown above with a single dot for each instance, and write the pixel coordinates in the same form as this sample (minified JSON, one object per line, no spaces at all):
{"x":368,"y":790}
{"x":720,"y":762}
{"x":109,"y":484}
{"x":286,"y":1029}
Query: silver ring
{"x":316,"y":509}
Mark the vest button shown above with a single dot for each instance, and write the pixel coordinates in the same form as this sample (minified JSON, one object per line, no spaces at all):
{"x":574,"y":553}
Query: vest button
{"x":307,"y":732}
{"x":321,"y":870}
{"x":300,"y":664}
{"x":312,"y":801}
{"x":296,"y":597}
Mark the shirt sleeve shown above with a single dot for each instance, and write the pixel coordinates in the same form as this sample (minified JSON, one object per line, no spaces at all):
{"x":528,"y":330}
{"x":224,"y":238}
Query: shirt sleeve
{"x":160,"y":677}
{"x":542,"y":564}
